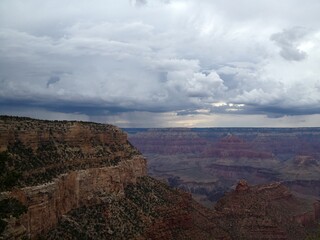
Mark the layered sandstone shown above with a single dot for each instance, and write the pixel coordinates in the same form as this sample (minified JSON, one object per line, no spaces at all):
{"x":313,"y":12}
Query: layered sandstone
{"x":152,"y":210}
{"x":63,"y":166}
{"x":48,"y":202}
{"x":223,"y":156}
{"x":42,"y":150}
{"x":168,"y":141}
{"x":86,"y":181}
{"x":149,"y":210}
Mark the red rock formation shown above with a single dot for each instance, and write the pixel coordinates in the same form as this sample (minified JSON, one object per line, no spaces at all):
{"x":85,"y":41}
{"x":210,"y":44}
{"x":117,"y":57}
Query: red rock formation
{"x":261,"y":212}
{"x":167,"y":141}
{"x":102,"y":191}
{"x":105,"y":163}
{"x":33,"y":133}
{"x":242,"y":186}
{"x":48,"y":202}
{"x":259,"y":155}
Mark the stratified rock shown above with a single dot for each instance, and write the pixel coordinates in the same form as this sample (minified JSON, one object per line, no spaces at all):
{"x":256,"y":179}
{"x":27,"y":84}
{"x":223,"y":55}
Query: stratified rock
{"x":225,"y":155}
{"x":64,"y":166}
{"x":86,"y":181}
{"x":149,"y":210}
{"x":265,"y":212}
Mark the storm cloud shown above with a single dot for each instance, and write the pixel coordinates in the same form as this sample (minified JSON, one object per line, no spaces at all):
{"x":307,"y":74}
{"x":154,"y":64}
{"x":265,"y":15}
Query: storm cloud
{"x":288,"y":40}
{"x":118,"y":60}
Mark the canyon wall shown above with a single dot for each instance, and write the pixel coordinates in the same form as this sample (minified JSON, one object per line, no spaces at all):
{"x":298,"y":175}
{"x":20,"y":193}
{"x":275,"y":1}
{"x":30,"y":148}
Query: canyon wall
{"x":86,"y":181}
{"x":48,"y":202}
{"x":63,"y":166}
{"x":223,"y":156}
{"x":266,"y":211}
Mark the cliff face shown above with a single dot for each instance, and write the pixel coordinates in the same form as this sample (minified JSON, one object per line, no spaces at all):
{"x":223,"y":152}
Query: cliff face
{"x":258,"y":142}
{"x":86,"y":181}
{"x":168,"y":141}
{"x":149,"y":210}
{"x":60,"y":166}
{"x":223,"y":156}
{"x":48,"y":202}
{"x":265,"y":212}
{"x":152,"y":210}
{"x":41,"y":150}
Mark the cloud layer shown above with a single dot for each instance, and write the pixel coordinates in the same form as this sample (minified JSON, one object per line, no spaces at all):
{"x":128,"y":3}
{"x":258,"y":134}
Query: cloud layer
{"x":112,"y":60}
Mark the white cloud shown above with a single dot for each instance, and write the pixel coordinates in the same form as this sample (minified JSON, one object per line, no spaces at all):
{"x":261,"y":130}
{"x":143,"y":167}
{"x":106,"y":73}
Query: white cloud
{"x":195,"y":84}
{"x":180,"y":56}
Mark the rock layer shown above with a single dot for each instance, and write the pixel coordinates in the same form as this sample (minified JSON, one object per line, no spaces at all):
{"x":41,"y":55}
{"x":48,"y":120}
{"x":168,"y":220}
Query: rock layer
{"x":263,"y":212}
{"x":48,"y":202}
{"x":226,"y":155}
{"x":86,"y":181}
{"x":64,"y":166}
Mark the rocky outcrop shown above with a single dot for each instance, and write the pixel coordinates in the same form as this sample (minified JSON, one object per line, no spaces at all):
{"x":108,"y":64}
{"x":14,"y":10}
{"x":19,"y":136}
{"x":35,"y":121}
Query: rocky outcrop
{"x":149,"y":210}
{"x":86,"y":181}
{"x":242,"y":186}
{"x":39,"y":151}
{"x":262,"y":212}
{"x":63,"y":166}
{"x":152,"y":210}
{"x":48,"y":202}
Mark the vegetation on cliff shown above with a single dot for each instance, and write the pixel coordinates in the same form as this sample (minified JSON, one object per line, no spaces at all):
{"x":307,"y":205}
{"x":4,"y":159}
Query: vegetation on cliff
{"x":8,"y":177}
{"x":104,"y":192}
{"x":10,"y":207}
{"x":262,"y":212}
{"x":149,"y":210}
{"x":36,"y":151}
{"x":152,"y":210}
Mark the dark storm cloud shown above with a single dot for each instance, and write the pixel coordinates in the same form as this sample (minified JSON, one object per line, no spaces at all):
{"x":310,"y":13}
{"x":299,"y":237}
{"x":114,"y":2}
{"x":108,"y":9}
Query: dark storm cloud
{"x":288,"y":40}
{"x":277,"y":112}
{"x":53,"y":80}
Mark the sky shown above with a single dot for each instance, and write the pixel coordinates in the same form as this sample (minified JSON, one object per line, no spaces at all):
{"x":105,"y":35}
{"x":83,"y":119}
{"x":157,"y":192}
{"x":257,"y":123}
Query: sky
{"x":162,"y":63}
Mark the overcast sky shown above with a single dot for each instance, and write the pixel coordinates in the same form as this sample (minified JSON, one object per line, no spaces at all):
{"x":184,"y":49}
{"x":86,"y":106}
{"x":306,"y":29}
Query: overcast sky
{"x":162,"y":63}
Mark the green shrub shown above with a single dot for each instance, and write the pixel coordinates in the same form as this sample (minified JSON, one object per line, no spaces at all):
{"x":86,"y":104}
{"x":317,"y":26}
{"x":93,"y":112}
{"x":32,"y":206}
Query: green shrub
{"x":10,"y":207}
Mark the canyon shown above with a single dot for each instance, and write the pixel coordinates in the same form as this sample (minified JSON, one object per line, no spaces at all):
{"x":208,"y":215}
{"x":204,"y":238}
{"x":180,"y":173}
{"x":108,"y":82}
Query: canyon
{"x":63,"y":166}
{"x":84,"y":180}
{"x":208,"y":161}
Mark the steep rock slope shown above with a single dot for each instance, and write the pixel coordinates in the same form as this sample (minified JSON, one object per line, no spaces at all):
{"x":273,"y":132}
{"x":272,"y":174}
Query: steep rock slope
{"x":152,"y":210}
{"x":79,"y":180}
{"x":265,"y":212}
{"x":54,"y":167}
{"x":82,"y":180}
